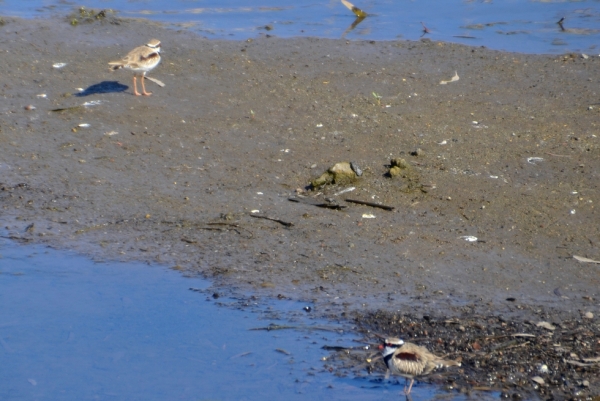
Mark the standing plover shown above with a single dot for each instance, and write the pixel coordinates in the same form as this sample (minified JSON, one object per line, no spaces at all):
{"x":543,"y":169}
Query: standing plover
{"x":140,"y":60}
{"x":410,"y":360}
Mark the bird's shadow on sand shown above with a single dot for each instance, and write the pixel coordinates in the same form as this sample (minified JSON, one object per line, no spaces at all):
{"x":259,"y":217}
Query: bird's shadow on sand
{"x":103,"y":87}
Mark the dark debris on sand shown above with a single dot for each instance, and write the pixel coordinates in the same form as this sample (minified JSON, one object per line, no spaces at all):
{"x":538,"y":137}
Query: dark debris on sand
{"x":521,"y":360}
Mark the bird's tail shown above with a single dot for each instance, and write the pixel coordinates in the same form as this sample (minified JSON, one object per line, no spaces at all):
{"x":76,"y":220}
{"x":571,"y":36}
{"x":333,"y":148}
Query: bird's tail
{"x":448,"y":362}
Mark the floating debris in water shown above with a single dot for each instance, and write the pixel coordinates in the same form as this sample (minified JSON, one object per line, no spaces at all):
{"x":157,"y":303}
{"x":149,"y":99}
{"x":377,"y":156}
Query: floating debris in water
{"x":283,"y":351}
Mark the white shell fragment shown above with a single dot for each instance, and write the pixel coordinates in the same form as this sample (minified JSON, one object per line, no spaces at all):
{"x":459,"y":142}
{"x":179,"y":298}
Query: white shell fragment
{"x":585,"y":260}
{"x":111,"y":133}
{"x":84,"y":125}
{"x":534,"y":160}
{"x":59,"y":65}
{"x":546,"y":326}
{"x":368,"y":216}
{"x":42,"y":95}
{"x":469,"y":238}
{"x":255,"y":211}
{"x":453,"y":79}
{"x":92,"y":103}
{"x":343,"y":191}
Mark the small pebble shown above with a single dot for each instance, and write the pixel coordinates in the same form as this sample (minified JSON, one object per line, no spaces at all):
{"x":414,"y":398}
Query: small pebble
{"x":538,"y":380}
{"x":589,"y":315}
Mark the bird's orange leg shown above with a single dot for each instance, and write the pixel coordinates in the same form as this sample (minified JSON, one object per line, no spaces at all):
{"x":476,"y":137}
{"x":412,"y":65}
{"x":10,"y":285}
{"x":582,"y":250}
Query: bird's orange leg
{"x":135,"y":92}
{"x":144,"y":87}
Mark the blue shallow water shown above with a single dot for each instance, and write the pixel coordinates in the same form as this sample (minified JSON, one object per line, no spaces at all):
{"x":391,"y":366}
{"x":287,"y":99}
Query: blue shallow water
{"x":528,"y":26}
{"x":72,"y":329}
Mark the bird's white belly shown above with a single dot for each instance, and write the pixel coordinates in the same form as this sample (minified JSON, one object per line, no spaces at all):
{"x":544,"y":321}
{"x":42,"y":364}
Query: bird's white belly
{"x":138,"y":68}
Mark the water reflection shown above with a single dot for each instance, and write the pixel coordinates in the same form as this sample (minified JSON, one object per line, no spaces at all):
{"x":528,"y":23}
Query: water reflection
{"x":357,"y":21}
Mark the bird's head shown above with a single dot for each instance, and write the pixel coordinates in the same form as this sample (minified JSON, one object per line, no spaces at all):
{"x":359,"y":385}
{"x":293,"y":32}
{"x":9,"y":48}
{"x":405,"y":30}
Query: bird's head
{"x":154,"y":44}
{"x":390,"y":345}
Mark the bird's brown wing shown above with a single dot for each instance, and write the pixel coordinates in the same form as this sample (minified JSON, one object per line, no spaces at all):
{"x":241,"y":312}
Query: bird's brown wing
{"x":147,"y":53}
{"x":137,"y":55}
{"x":151,"y":56}
{"x":407,"y":356}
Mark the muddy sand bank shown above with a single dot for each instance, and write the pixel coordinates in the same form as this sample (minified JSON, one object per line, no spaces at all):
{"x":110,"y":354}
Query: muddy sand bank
{"x":509,"y":154}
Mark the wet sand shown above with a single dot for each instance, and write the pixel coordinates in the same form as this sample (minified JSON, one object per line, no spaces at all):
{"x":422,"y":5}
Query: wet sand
{"x":509,"y":154}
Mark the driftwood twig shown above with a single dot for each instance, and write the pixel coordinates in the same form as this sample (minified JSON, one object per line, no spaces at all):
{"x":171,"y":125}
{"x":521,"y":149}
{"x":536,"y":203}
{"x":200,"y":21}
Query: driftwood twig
{"x":372,"y":204}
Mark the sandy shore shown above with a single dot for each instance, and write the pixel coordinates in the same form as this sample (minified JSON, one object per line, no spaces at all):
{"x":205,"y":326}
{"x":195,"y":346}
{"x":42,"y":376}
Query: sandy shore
{"x":509,"y":154}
